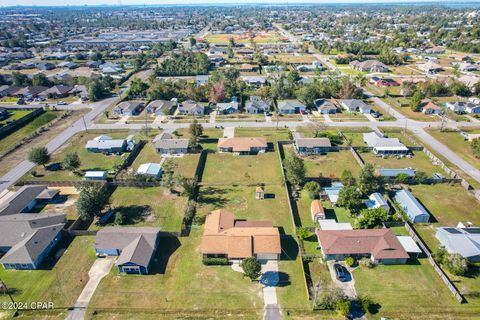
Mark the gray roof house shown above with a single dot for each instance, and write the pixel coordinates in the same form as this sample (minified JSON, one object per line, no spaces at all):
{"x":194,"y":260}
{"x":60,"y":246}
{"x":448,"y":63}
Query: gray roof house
{"x":312,"y":145}
{"x":127,"y":108}
{"x":166,"y":144}
{"x":161,"y":107}
{"x":325,"y":107}
{"x":105,"y":144}
{"x":227,"y":107}
{"x":27,"y":239}
{"x":25,"y":199}
{"x":369,"y":66}
{"x":290,"y":106}
{"x":257,"y":105}
{"x":464,"y":241}
{"x":134,"y":247}
{"x":391,"y":172}
{"x":191,"y":107}
{"x":384,"y":146}
{"x":412,"y":208}
{"x":356,"y":105}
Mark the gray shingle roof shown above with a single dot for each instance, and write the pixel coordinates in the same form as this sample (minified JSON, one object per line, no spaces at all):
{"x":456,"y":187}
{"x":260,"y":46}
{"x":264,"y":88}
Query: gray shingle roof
{"x":22,"y":198}
{"x":313,"y":142}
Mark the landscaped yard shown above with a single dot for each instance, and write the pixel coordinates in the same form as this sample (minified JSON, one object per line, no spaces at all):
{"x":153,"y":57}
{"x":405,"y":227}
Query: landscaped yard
{"x":180,"y":286}
{"x":61,"y":284}
{"x":149,"y":207}
{"x":411,"y":291}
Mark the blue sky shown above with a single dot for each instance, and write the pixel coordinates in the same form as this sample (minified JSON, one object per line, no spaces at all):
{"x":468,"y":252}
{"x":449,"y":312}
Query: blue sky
{"x":151,"y":2}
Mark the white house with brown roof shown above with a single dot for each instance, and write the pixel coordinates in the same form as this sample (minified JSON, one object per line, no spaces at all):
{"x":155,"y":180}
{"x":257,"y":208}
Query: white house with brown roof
{"x":380,"y":245}
{"x":226,"y":237}
{"x":317,"y":211}
{"x":242,"y":145}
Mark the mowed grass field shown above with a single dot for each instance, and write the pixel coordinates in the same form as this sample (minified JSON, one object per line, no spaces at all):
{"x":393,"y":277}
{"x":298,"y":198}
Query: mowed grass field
{"x":258,"y":38}
{"x":61,"y":285}
{"x":180,"y":286}
{"x":15,"y":115}
{"x":331,"y":165}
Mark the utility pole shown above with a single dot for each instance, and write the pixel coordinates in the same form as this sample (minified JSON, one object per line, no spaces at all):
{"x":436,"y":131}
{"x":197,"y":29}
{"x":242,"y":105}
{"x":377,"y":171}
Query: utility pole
{"x":4,"y":286}
{"x":85,"y":124}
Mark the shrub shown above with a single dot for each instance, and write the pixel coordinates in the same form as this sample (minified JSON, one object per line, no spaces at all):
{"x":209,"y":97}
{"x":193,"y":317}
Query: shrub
{"x":215,"y":261}
{"x":365,"y":303}
{"x":189,"y":210}
{"x":343,"y":307}
{"x":303,"y":233}
{"x":367,"y":263}
{"x":251,"y":268}
{"x":33,"y":173}
{"x":349,"y":261}
{"x":312,"y":188}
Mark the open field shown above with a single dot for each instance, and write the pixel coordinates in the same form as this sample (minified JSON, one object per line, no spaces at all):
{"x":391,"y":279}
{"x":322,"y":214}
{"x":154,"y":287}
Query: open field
{"x":420,"y":161}
{"x":61,"y":284}
{"x":402,"y":105}
{"x":457,"y":143}
{"x":180,"y":284}
{"x":272,"y":134}
{"x":258,"y":38}
{"x":410,"y":291}
{"x":331,"y":165}
{"x":18,"y":135}
{"x":154,"y":207}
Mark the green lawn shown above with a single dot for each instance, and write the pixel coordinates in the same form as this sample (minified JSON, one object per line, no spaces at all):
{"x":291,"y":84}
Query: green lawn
{"x":355,"y":137}
{"x":331,"y":165}
{"x":18,"y":135}
{"x":411,"y":291}
{"x":230,"y":169}
{"x":181,"y":285}
{"x":348,"y":116}
{"x":420,"y":161}
{"x":455,"y":142}
{"x":61,"y":285}
{"x":186,"y":165}
{"x":209,"y":139}
{"x":15,"y":115}
{"x":272,"y":134}
{"x":146,"y":155}
{"x":149,"y":207}
{"x":89,"y":160}
{"x":403,"y":106}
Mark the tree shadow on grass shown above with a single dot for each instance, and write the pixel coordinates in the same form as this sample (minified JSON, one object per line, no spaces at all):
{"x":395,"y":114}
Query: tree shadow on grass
{"x":213,"y":196}
{"x":283,"y":279}
{"x":289,"y":248}
{"x":167,"y":245}
{"x":57,"y":252}
{"x":134,"y":214}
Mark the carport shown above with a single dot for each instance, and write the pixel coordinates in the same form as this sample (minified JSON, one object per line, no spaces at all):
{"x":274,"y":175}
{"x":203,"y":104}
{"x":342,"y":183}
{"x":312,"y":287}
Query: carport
{"x":410,"y":246}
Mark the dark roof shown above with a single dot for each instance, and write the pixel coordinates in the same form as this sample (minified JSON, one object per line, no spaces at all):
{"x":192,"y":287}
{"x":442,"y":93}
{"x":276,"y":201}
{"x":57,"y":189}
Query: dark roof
{"x":23,"y":197}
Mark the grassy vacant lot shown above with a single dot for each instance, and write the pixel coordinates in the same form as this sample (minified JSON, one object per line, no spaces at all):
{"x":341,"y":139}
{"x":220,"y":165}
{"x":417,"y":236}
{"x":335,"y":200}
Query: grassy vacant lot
{"x":455,"y":142}
{"x":355,"y":137}
{"x":186,"y":165}
{"x":61,"y":284}
{"x":411,"y":291}
{"x":403,"y":106}
{"x":181,"y":285}
{"x":331,"y":165}
{"x":209,"y":139}
{"x":146,"y":155}
{"x":149,"y":207}
{"x":419,"y":161}
{"x":272,"y":134}
{"x":18,"y":135}
{"x":348,"y":116}
{"x":229,"y":169}
{"x":258,"y":38}
{"x":15,"y":115}
{"x":89,"y":160}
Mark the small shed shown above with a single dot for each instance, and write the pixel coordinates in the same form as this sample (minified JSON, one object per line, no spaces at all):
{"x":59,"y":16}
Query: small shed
{"x":95,"y":175}
{"x":151,"y":169}
{"x":260,"y":193}
{"x":317,"y":210}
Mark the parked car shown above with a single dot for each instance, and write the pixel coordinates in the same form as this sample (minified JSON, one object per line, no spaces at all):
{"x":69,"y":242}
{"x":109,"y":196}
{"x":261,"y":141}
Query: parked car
{"x":20,"y":101}
{"x":62,"y":103}
{"x":339,"y":272}
{"x":376,"y":114}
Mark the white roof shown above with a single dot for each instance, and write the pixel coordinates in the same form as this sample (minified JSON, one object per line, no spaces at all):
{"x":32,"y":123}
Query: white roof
{"x":409,"y":244}
{"x":149,"y":168}
{"x":331,"y":224}
{"x":102,"y":138}
{"x":95,"y":174}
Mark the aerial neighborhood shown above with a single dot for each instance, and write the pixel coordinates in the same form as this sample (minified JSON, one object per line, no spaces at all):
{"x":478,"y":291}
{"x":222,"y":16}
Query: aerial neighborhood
{"x":250,"y":161}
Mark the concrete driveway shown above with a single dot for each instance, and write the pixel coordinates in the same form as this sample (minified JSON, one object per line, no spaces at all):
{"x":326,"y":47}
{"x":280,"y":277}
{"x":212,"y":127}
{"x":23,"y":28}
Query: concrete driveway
{"x":348,"y":286}
{"x":99,"y":269}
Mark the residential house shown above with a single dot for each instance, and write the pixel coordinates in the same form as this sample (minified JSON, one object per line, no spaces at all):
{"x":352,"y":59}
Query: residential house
{"x":462,"y":240}
{"x":386,"y":83}
{"x":377,"y":201}
{"x":45,"y":66}
{"x":332,"y":192}
{"x":161,"y":107}
{"x":134,"y":246}
{"x":325,"y":107}
{"x":25,"y":199}
{"x":380,"y":245}
{"x":465,"y":66}
{"x":317,"y":211}
{"x":312,"y":145}
{"x":430,"y":67}
{"x":27,"y":239}
{"x":435,"y":50}
{"x":128,"y":108}
{"x":57,"y":91}
{"x":246,"y":67}
{"x":257,"y":105}
{"x":227,"y":107}
{"x":259,"y":193}
{"x":369,"y":66}
{"x":201,"y":80}
{"x":105,"y":144}
{"x":461,"y":107}
{"x":384,"y":146}
{"x":411,"y":206}
{"x":392,"y":173}
{"x":469,"y":80}
{"x":191,"y":107}
{"x":226,"y":237}
{"x":428,"y":107}
{"x":150,"y":169}
{"x":290,"y":107}
{"x":166,"y":144}
{"x":30,"y":91}
{"x":242,"y":145}
{"x":355,"y":105}
{"x":68,"y":65}
{"x":256,"y":81}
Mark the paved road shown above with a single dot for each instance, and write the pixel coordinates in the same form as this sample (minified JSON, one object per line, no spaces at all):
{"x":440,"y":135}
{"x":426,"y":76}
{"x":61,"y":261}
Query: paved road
{"x":25,"y":166}
{"x":99,"y":269}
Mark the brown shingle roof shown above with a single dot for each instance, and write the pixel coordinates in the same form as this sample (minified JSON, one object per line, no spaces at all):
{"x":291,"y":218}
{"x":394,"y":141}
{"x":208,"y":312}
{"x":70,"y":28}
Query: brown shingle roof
{"x":380,"y":243}
{"x":242,"y":144}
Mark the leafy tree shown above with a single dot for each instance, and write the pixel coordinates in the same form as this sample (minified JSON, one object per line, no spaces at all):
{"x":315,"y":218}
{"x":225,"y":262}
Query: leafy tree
{"x":350,"y":198}
{"x":294,"y":168}
{"x":343,"y":307}
{"x":454,"y":263}
{"x":92,"y":199}
{"x":416,"y":101}
{"x":303,"y":233}
{"x":138,"y":88}
{"x":251,"y":268}
{"x":20,"y":79}
{"x":368,"y":182}
{"x":95,"y":90}
{"x":312,"y":188}
{"x":350,"y":91}
{"x":349,"y":261}
{"x":365,"y":303}
{"x":71,"y":162}
{"x":119,"y":218}
{"x":39,"y":156}
{"x":371,"y":218}
{"x":402,"y":178}
{"x":475,"y":146}
{"x":196,"y":129}
{"x":217,"y":93}
{"x":40,"y":79}
{"x":188,"y":185}
{"x":192,"y":41}
{"x":421,"y":176}
{"x":168,"y":178}
{"x":347,"y":178}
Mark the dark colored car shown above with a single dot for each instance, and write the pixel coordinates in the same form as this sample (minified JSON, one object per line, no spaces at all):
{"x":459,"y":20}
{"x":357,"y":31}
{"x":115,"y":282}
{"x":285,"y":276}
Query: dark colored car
{"x":339,"y":272}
